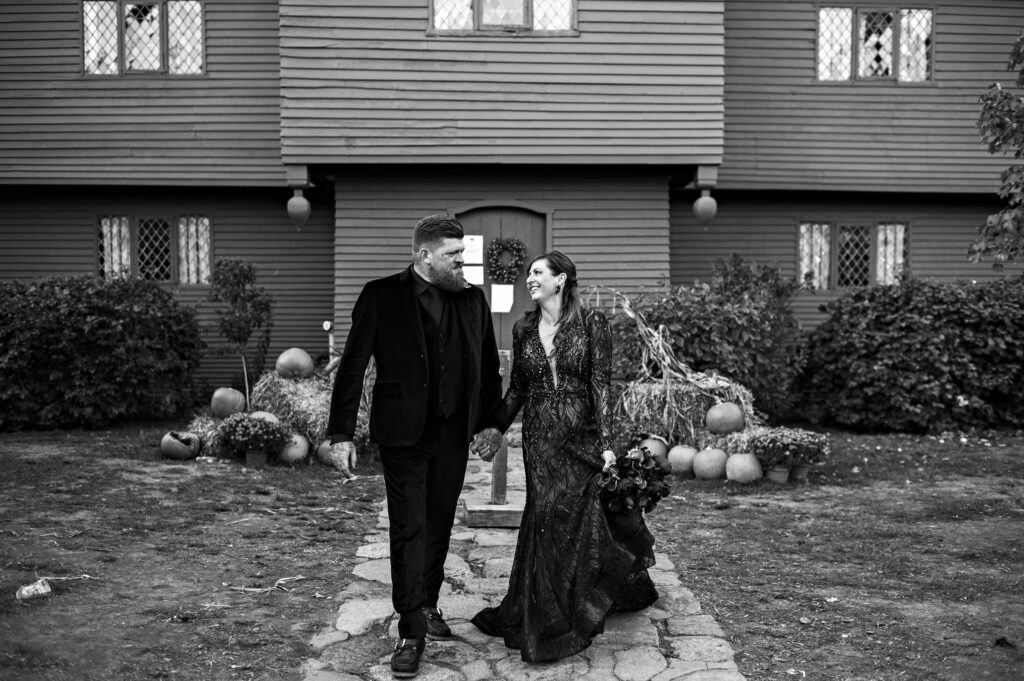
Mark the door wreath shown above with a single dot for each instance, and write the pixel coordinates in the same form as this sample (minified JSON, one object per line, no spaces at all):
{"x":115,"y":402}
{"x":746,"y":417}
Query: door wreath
{"x":500,"y":269}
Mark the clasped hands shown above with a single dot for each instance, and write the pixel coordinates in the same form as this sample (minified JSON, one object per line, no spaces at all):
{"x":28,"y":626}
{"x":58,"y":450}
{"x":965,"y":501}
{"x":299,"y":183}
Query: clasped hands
{"x":486,"y":443}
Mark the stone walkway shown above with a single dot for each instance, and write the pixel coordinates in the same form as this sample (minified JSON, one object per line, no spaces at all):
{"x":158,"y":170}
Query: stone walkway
{"x":671,"y":640}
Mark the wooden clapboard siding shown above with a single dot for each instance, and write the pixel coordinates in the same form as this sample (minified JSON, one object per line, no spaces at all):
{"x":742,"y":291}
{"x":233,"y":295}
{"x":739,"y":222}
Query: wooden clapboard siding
{"x":784,"y":130}
{"x":614,"y":228}
{"x":363,"y":82}
{"x":763,"y":228}
{"x":295,"y":265}
{"x":58,"y":126}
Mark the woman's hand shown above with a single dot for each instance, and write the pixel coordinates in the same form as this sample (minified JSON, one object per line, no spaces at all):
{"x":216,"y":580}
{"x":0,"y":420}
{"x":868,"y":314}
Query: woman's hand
{"x":609,"y":459}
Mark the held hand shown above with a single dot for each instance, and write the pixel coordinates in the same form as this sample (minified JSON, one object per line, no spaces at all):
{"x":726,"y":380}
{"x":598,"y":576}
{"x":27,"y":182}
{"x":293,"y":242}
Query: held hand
{"x":486,"y":443}
{"x":344,"y":458}
{"x":609,"y":459}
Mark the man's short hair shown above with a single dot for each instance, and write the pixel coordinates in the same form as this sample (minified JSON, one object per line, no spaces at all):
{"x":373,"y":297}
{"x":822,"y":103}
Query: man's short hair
{"x":433,"y":229}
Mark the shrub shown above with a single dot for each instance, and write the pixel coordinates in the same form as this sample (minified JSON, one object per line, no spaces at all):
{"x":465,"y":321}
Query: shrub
{"x":739,"y":325}
{"x":84,"y":352}
{"x":919,"y":356}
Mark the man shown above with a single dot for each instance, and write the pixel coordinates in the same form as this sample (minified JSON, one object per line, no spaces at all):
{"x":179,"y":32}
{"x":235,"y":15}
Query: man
{"x":432,"y":339}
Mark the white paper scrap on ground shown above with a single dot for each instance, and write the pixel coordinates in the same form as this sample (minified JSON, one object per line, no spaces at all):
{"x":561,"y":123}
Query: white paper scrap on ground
{"x":474,"y":274}
{"x":474,"y":253}
{"x":501,"y":297}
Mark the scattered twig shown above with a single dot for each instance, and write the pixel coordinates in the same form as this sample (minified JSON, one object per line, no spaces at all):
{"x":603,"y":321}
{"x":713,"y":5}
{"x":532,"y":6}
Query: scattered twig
{"x":278,"y":585}
{"x":242,"y":520}
{"x":96,"y":548}
{"x":54,"y":579}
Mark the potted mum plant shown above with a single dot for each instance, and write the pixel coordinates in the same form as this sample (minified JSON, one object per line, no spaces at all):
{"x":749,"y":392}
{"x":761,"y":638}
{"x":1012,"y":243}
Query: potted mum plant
{"x":252,"y":438}
{"x":786,"y":451}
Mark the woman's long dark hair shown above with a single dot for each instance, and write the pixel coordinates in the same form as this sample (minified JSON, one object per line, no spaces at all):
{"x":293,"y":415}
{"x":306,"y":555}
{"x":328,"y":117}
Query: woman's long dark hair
{"x":572,"y":306}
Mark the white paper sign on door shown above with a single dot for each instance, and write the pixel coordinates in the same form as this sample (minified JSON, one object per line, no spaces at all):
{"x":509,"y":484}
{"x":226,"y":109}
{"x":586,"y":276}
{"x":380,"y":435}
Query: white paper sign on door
{"x":501,"y":297}
{"x":474,"y":274}
{"x":474,"y":253}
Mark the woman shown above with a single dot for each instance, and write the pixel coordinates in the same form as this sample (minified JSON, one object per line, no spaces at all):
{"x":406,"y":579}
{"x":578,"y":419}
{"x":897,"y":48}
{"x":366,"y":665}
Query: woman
{"x":573,"y":565}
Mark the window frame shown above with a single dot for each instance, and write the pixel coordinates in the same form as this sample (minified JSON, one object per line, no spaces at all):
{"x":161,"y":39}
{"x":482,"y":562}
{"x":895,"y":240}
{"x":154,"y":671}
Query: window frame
{"x":836,"y":225}
{"x":164,"y":70}
{"x":524,"y":31}
{"x":858,"y":10}
{"x":173,"y":219}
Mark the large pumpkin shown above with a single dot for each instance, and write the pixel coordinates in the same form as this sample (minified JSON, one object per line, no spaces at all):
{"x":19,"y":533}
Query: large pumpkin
{"x":180,"y":445}
{"x":294,"y":363}
{"x":296,"y":450}
{"x":743,"y":468}
{"x":655,"y":445}
{"x":323,"y":453}
{"x":266,"y":416}
{"x":709,"y":464}
{"x":723,"y":418}
{"x":681,"y":459}
{"x":226,"y":401}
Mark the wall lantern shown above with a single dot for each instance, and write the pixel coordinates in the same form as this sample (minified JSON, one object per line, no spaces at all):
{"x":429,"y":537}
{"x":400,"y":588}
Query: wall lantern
{"x":299,"y":209}
{"x":705,"y":207}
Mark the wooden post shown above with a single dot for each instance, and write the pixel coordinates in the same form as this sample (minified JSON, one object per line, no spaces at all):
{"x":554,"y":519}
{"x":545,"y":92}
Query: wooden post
{"x":499,"y":466}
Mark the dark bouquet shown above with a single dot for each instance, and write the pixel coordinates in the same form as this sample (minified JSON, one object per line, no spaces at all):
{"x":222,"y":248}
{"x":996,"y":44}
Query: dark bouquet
{"x":636,"y":480}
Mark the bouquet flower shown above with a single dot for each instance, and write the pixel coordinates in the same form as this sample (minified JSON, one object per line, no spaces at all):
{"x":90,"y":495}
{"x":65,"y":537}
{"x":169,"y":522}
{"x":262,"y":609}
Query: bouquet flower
{"x":239,"y":433}
{"x":636,"y":480}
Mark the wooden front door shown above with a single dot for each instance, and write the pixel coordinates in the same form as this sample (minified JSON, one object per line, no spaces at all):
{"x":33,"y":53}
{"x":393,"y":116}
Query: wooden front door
{"x":507,"y":222}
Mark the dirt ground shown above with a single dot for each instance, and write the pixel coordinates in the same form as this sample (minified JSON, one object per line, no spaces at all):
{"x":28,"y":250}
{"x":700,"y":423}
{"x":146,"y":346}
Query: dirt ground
{"x":903,"y":558}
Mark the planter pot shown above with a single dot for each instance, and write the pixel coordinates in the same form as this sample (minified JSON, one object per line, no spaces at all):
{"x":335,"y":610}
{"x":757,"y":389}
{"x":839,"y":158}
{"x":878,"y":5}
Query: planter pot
{"x":779,"y":474}
{"x":800,"y":472}
{"x":256,"y":458}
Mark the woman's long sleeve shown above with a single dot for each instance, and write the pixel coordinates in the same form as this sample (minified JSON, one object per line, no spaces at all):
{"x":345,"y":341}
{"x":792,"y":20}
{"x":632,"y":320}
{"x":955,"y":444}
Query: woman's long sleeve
{"x":514,"y":397}
{"x":600,"y":341}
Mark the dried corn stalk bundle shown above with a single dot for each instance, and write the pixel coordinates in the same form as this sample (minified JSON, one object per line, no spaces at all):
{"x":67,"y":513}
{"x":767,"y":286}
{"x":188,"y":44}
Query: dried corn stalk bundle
{"x":673,"y":404}
{"x":208,"y":430}
{"x":301,"y":403}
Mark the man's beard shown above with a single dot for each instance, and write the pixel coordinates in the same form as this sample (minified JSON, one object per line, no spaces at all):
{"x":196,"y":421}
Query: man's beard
{"x":447,"y":280}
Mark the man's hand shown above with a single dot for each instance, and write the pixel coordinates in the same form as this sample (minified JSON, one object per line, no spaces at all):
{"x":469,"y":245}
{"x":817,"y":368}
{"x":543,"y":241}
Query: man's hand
{"x":486,"y":443}
{"x":344,"y":458}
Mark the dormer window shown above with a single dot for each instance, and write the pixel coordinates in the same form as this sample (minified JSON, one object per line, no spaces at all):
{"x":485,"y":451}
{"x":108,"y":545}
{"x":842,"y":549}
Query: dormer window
{"x":503,"y":16}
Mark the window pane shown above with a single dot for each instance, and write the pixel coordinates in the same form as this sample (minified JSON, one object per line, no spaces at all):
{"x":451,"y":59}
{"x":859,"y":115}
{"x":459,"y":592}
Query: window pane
{"x":155,"y":250}
{"x":99,"y":36}
{"x":453,"y":15}
{"x":892,"y":252}
{"x":876,"y":44}
{"x":502,"y":12}
{"x":552,"y":15}
{"x":835,"y":29}
{"x":194,"y":249}
{"x":815,"y":241}
{"x":915,"y":45}
{"x":141,"y":37}
{"x":853,"y":256}
{"x":184,"y":37}
{"x":114,"y":247}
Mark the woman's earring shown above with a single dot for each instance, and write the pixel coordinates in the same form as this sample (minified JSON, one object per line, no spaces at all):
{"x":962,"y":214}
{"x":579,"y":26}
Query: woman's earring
{"x":558,"y":288}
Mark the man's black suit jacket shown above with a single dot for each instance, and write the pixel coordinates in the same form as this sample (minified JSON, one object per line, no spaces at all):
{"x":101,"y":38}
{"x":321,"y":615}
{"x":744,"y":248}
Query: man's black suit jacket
{"x":386,"y":325}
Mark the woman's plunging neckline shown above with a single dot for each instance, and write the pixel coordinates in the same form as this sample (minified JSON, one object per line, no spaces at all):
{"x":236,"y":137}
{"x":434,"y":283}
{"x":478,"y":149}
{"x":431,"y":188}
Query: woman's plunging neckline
{"x":551,"y":358}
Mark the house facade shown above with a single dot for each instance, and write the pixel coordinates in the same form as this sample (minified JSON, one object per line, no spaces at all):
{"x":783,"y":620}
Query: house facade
{"x":837,"y":139}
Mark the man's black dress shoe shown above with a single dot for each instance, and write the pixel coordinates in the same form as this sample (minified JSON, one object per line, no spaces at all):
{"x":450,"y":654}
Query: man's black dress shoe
{"x":437,"y":629}
{"x":405,"y":663}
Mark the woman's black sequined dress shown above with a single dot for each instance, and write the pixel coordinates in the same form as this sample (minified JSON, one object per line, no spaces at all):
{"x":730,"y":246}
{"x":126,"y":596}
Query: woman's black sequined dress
{"x":573,"y":564}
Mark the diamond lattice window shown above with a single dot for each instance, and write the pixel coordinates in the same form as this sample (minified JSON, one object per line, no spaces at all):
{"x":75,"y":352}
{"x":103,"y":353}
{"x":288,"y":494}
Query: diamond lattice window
{"x":490,"y":15}
{"x":121,"y":37}
{"x":876,"y":47}
{"x":915,"y":45}
{"x":835,"y":26}
{"x":155,"y":249}
{"x":839,"y":256}
{"x":853,"y":256}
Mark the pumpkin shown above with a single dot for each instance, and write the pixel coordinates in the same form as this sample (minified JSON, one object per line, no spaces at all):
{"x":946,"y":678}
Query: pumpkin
{"x":180,"y":445}
{"x":294,"y":363}
{"x":226,"y":401}
{"x":681,"y":459}
{"x":743,"y":468}
{"x":709,"y":464}
{"x":296,"y":449}
{"x":323,"y":453}
{"x":655,"y":445}
{"x":723,"y":418}
{"x":266,"y":416}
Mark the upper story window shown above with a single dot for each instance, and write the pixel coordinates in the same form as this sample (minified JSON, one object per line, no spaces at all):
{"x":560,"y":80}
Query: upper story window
{"x":836,"y":256}
{"x":156,"y":248}
{"x":516,"y":16}
{"x":874,"y":44}
{"x":164,"y":36}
